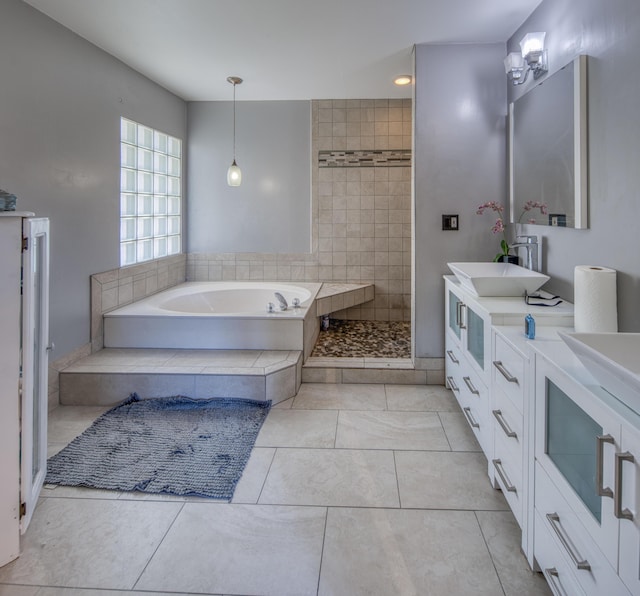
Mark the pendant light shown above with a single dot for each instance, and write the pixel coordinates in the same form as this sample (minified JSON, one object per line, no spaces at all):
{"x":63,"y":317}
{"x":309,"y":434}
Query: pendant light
{"x":234,"y":174}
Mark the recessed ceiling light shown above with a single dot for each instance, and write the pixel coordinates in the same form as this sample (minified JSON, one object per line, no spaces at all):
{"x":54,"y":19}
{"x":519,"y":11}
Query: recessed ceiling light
{"x":402,"y":80}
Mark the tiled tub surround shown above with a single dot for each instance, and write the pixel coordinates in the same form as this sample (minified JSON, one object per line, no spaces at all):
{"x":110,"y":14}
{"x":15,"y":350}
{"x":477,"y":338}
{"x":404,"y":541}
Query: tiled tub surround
{"x":119,"y":287}
{"x":217,"y":316}
{"x":361,"y":214}
{"x":111,"y":374}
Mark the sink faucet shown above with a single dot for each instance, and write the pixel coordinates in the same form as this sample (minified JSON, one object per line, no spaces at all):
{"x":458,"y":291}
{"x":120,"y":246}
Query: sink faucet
{"x":531,"y":244}
{"x":281,"y":300}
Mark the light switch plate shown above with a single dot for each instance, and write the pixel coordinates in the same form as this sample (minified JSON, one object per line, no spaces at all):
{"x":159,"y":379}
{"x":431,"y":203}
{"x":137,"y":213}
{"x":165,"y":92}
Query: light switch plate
{"x":450,"y":222}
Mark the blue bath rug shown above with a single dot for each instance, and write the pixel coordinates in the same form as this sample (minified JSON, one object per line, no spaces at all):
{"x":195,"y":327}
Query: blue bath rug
{"x":175,"y":445}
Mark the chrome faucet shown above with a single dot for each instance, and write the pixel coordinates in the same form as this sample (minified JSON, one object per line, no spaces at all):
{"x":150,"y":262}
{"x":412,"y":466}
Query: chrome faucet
{"x":281,"y":299}
{"x":531,"y":244}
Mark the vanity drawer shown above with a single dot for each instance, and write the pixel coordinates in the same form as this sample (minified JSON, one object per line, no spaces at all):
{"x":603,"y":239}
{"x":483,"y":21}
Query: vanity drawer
{"x":474,"y":401}
{"x":506,"y":417}
{"x":508,"y":472}
{"x":570,"y":538}
{"x":453,"y":354}
{"x":508,"y":372}
{"x":555,"y":569}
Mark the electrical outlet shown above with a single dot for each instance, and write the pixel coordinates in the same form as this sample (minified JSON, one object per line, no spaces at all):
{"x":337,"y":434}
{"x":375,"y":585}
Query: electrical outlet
{"x":450,"y":222}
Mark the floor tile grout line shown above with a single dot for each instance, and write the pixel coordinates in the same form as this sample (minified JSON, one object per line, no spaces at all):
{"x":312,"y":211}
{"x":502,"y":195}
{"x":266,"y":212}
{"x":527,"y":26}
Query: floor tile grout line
{"x":155,"y":550}
{"x":395,"y":469}
{"x":444,"y":430}
{"x":264,"y":482}
{"x":493,"y":563}
{"x":376,"y":449}
{"x":324,"y":540}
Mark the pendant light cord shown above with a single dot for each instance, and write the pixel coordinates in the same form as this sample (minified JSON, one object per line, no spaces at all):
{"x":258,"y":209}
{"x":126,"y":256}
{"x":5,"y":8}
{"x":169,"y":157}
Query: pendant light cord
{"x":234,"y":122}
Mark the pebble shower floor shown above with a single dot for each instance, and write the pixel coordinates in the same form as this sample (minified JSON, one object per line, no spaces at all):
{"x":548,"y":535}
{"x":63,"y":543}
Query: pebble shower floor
{"x":358,"y":339}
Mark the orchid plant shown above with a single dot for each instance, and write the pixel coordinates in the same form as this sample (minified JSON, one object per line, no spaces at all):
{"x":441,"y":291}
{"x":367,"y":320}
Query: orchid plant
{"x":501,"y":228}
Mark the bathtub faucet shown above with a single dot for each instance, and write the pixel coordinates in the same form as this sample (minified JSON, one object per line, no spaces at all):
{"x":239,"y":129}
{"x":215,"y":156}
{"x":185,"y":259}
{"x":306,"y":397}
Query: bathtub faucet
{"x":281,"y":300}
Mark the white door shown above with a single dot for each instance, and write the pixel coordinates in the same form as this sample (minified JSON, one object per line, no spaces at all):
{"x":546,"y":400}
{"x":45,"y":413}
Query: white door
{"x":34,"y":364}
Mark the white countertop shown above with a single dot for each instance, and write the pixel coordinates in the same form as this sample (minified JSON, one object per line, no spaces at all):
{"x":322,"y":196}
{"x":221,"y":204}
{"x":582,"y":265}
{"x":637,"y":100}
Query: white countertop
{"x":513,"y":305}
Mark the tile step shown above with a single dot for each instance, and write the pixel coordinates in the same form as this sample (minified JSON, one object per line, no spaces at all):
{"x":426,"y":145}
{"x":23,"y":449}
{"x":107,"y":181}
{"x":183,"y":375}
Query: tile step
{"x":111,"y":375}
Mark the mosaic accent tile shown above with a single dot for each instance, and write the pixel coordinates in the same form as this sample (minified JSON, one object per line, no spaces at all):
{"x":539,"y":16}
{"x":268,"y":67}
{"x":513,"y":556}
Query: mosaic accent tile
{"x":371,"y":339}
{"x":349,"y":159}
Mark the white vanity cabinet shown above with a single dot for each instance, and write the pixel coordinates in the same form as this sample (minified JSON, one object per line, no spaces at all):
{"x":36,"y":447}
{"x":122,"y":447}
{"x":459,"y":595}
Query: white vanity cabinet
{"x":565,"y":453}
{"x":587,"y":480}
{"x":468,"y":348}
{"x":471,"y":374}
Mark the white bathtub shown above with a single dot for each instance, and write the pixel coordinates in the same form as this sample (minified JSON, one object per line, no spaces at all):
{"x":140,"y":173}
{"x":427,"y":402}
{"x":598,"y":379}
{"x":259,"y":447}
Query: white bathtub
{"x":216,"y":315}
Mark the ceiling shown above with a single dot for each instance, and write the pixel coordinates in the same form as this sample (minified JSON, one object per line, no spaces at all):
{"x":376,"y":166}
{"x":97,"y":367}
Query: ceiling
{"x":283,"y":49}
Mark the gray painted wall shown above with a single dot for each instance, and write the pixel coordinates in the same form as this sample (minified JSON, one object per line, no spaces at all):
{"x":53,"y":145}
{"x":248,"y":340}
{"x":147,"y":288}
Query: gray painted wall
{"x":460,"y":116}
{"x":270,"y":212}
{"x":61,"y":99}
{"x":609,"y":32}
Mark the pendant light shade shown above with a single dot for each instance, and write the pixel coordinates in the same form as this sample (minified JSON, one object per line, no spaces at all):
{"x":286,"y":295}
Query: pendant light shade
{"x":234,"y":174}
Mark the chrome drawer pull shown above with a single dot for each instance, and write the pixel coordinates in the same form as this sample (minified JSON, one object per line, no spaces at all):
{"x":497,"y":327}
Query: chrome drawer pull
{"x":473,"y":390}
{"x":618,"y":511}
{"x":452,"y":357}
{"x":505,"y":373}
{"x":554,"y":520}
{"x":470,"y":419}
{"x":553,"y":577}
{"x":452,"y":384}
{"x":497,"y":464}
{"x":600,"y":441}
{"x":503,"y":424}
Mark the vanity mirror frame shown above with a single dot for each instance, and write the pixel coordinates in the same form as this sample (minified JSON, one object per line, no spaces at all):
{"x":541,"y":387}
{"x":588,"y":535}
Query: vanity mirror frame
{"x":580,"y":146}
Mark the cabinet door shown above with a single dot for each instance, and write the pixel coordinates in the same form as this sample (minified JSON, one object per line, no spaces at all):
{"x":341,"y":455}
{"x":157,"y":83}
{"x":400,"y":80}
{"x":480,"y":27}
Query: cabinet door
{"x":627,"y":507}
{"x":454,"y":313}
{"x":475,"y":336}
{"x":576,"y":439}
{"x":35,"y":341}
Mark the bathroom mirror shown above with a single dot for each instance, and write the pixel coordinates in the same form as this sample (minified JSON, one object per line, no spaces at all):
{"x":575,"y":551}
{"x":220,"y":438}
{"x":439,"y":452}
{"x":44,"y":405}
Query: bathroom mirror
{"x":548,"y":149}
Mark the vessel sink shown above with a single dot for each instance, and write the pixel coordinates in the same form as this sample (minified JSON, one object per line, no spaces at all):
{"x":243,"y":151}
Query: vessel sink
{"x":497,"y":279}
{"x":614,"y":361}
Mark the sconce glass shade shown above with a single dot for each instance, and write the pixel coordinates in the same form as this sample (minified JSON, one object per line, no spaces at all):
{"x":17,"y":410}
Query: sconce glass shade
{"x":514,"y":63}
{"x":532,"y":46}
{"x":234,"y":174}
{"x":533,"y":58}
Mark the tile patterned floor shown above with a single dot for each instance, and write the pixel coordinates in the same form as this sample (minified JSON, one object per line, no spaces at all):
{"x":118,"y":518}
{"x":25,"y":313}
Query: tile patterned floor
{"x":350,"y":490}
{"x":357,"y":339}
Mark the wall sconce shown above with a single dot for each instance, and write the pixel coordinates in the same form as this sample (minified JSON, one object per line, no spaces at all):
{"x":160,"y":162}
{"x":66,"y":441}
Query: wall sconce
{"x":234,"y":174}
{"x":531,"y":58}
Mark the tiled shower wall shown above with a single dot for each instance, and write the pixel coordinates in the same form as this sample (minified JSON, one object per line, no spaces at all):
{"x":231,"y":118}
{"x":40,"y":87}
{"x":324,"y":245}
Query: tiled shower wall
{"x":361,"y":213}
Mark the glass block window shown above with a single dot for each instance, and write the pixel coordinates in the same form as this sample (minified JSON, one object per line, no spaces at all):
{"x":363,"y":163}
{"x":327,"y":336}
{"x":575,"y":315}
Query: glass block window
{"x":150,"y":193}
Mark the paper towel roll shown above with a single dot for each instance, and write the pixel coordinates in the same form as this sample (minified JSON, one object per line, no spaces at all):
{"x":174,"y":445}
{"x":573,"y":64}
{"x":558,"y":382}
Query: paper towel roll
{"x":595,"y":298}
